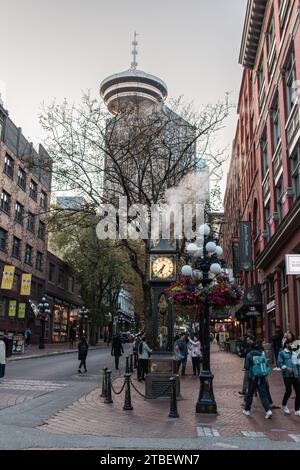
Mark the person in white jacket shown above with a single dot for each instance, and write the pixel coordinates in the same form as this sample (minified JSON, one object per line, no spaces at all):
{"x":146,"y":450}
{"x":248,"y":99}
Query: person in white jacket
{"x":2,"y":358}
{"x":195,"y":350}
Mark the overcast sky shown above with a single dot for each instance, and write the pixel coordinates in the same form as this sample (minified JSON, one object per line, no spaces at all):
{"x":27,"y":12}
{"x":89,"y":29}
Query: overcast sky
{"x":58,"y":48}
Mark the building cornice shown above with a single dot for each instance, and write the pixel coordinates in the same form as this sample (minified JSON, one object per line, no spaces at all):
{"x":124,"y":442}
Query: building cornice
{"x":252,"y":32}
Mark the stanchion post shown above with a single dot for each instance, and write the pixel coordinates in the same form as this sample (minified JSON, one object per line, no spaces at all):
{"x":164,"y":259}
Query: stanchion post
{"x":108,"y":397}
{"x":104,"y":382}
{"x":131,"y":364}
{"x":127,"y":404}
{"x":135,"y":362}
{"x":127,"y":365}
{"x":173,"y":399}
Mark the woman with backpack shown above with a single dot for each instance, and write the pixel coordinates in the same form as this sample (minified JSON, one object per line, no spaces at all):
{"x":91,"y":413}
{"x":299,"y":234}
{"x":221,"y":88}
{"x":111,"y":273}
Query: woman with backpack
{"x":257,"y":365}
{"x":117,"y":350}
{"x":288,"y":361}
{"x":143,"y":354}
{"x":83,"y":348}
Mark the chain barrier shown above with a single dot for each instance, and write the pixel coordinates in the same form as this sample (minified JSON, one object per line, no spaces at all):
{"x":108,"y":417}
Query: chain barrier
{"x":161,"y":394}
{"x":118,"y":393}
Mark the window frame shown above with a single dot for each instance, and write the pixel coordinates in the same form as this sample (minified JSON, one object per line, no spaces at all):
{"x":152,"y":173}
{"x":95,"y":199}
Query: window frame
{"x":18,"y":254}
{"x":9,"y":166}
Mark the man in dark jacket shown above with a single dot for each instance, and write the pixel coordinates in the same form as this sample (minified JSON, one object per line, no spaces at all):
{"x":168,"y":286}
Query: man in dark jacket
{"x":117,"y":350}
{"x":277,"y":344}
{"x":247,"y":348}
{"x":83,"y":348}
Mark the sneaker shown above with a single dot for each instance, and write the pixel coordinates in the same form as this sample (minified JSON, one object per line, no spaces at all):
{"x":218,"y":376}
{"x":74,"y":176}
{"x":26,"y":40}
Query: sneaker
{"x":79,"y":371}
{"x":276,"y":368}
{"x":85,"y":370}
{"x":241,"y":393}
{"x":285,"y":410}
{"x":297,"y":413}
{"x":246,"y":413}
{"x":269,"y":414}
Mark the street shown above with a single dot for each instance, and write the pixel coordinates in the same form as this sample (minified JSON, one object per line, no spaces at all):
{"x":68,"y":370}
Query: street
{"x":45,"y":403}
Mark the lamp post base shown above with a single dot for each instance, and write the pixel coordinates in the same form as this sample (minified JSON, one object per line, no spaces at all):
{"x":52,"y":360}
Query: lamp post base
{"x":206,"y":403}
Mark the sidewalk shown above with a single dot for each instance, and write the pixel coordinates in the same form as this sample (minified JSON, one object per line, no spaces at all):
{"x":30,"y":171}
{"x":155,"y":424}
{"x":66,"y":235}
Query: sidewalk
{"x":149,"y":419}
{"x":32,"y":351}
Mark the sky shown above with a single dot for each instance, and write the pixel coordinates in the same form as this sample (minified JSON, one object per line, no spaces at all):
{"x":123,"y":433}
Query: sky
{"x":61,"y":48}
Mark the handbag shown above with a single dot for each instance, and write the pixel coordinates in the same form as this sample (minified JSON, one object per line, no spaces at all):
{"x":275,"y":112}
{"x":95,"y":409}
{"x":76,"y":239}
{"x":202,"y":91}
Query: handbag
{"x":178,"y":356}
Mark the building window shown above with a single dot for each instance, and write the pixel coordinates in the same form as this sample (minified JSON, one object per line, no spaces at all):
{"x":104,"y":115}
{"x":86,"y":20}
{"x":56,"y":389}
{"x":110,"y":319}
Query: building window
{"x":41,"y":230}
{"x":267,"y":217}
{"x":1,"y":129}
{"x":264,"y":154}
{"x":290,"y":80}
{"x":28,"y":255}
{"x":52,"y":273}
{"x":9,"y":166}
{"x":39,"y":261}
{"x":5,"y":201}
{"x":271,"y":35}
{"x":261,"y":84}
{"x":295,"y":167}
{"x":271,"y":288}
{"x":16,"y":248}
{"x":60,"y":277}
{"x":33,"y":190}
{"x":3,"y":239}
{"x":43,"y":200}
{"x":71,"y":283}
{"x":284,"y":6}
{"x":22,"y":179}
{"x":279,"y":194}
{"x":276,"y":125}
{"x":19,"y":213}
{"x":30,"y":222}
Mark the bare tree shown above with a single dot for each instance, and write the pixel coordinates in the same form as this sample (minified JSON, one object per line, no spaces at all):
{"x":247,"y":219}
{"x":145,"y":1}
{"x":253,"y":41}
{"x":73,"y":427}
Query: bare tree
{"x":136,"y":154}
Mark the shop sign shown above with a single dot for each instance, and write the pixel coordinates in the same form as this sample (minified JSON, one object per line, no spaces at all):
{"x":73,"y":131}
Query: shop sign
{"x":8,"y":277}
{"x":292,"y":263}
{"x":252,"y":295}
{"x":245,"y":247}
{"x":252,"y":312}
{"x":271,"y":306}
{"x":21,"y":310}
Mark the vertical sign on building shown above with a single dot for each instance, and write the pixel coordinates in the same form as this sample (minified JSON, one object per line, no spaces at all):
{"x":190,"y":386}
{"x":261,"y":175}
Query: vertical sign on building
{"x":8,"y":277}
{"x":12,"y":308}
{"x":245,"y":247}
{"x":26,"y":284}
{"x":21,"y":310}
{"x":235,"y":258}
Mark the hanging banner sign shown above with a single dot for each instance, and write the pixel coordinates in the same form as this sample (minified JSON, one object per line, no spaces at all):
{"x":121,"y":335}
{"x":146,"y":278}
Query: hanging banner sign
{"x":8,"y":277}
{"x":22,"y":310}
{"x":12,"y":308}
{"x":245,"y":248}
{"x":26,"y":284}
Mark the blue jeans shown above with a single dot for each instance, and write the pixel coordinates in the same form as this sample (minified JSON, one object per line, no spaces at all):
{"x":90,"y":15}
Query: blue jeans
{"x":259,"y":384}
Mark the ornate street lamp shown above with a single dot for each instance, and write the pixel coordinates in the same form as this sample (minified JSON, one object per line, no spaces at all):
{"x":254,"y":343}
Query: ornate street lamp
{"x":205,"y":265}
{"x":83,"y":313}
{"x":43,"y":315}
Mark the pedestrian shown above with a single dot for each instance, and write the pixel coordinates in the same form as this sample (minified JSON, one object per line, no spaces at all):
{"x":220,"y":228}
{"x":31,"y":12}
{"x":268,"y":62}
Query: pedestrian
{"x":72,"y":337}
{"x":288,"y":336}
{"x":181,"y":353}
{"x":143,"y":354}
{"x":2,"y":357}
{"x":288,"y":361}
{"x":135,"y":350}
{"x":83,"y":348}
{"x":257,"y":365}
{"x":276,"y":341}
{"x":117,"y":350}
{"x":195,"y":350}
{"x":27,"y":335}
{"x":247,"y":347}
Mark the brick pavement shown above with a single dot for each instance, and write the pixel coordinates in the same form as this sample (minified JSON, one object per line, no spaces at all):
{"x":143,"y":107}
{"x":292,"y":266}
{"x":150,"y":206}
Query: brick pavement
{"x":90,"y":416}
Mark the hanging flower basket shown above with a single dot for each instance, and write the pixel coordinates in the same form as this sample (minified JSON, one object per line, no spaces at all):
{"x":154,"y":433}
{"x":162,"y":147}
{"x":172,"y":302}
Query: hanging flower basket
{"x":220,"y":294}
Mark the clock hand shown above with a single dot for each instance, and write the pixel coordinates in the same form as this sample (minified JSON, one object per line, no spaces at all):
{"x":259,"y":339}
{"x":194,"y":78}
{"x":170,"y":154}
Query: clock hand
{"x":161,"y":269}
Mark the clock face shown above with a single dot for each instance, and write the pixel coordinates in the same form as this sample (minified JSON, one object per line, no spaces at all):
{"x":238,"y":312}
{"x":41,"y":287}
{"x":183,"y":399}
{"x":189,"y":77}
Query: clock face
{"x":163,"y":267}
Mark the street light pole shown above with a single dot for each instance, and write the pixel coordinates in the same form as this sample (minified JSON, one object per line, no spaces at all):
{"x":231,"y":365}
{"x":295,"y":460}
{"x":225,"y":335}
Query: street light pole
{"x":44,"y":311}
{"x":83,"y":313}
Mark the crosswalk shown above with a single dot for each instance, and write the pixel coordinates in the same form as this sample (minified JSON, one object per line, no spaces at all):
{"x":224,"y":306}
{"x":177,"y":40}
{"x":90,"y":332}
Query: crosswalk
{"x":32,"y":385}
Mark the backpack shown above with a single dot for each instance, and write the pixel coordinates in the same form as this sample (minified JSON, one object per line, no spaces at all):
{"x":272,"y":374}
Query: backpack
{"x":260,"y":367}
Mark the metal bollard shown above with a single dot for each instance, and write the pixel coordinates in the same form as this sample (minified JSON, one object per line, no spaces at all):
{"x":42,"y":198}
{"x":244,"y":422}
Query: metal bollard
{"x":173,"y":399}
{"x":127,"y":404}
{"x":108,"y":398}
{"x":135,"y":363}
{"x":131,"y":364}
{"x":104,"y":382}
{"x":127,"y":365}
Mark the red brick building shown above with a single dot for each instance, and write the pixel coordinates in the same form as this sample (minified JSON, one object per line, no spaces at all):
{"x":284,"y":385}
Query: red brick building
{"x":25,"y":185}
{"x":263,"y":184}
